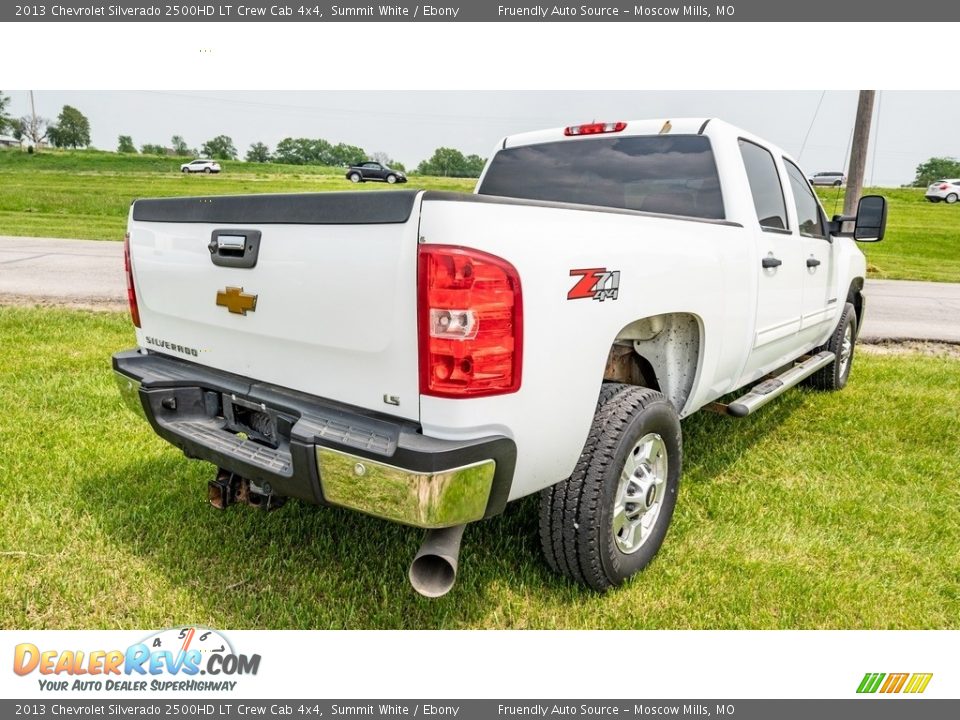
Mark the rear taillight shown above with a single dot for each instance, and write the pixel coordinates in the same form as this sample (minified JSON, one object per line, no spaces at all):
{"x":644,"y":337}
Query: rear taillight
{"x":943,"y":186}
{"x":131,"y":290}
{"x":594,"y":128}
{"x":471,"y":323}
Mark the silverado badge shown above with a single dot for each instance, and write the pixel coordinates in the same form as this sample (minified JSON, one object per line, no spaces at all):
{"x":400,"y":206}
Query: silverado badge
{"x":236,"y":300}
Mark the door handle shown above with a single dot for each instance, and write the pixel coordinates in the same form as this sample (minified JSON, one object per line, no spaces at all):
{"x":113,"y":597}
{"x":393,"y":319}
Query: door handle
{"x":812,"y":262}
{"x":771,"y":262}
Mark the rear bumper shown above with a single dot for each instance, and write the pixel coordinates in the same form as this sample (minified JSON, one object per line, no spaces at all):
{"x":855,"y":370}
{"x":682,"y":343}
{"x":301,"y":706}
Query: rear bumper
{"x":315,"y":449}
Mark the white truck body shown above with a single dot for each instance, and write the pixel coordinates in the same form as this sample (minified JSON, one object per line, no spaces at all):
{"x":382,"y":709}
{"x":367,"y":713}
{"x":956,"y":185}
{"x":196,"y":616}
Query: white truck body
{"x":336,"y":309}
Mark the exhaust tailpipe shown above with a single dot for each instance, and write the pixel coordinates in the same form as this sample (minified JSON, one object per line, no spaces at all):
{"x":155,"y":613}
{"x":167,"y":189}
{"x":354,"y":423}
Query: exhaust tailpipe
{"x":434,"y":569}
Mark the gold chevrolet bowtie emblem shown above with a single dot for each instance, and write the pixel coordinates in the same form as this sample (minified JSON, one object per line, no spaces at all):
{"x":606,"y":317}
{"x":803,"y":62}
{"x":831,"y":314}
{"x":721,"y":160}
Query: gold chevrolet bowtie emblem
{"x":236,"y":300}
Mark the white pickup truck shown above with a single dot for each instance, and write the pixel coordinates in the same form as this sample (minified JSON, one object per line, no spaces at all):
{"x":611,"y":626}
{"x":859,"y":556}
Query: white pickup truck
{"x":427,"y":357}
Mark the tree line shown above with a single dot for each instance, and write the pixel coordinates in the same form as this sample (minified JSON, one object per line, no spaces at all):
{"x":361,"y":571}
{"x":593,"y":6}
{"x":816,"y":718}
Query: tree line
{"x":72,"y":130}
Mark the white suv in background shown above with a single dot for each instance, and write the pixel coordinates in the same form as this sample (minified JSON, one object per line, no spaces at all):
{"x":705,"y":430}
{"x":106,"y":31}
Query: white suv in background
{"x":205,"y":166}
{"x":946,"y":190}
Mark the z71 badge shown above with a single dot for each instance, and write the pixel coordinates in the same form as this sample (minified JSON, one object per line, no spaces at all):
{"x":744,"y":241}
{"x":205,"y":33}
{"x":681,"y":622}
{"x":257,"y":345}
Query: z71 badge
{"x":597,"y":283}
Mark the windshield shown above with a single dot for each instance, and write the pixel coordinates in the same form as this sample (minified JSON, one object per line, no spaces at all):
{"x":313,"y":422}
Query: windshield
{"x":676,"y":175}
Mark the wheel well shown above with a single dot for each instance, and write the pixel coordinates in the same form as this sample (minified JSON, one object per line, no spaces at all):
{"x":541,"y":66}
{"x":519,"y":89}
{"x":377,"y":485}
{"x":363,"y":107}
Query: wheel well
{"x":855,"y":296}
{"x":661,"y":352}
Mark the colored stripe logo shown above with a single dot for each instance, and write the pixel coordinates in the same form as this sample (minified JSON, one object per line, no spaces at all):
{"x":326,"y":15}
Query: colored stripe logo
{"x":913,"y":683}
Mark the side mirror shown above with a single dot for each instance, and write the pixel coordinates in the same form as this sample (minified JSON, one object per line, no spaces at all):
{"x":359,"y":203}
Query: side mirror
{"x":871,"y":220}
{"x":868,"y":225}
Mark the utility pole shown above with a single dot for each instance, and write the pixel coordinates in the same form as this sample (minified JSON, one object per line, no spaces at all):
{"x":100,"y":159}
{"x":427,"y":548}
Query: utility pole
{"x":858,"y":151}
{"x":33,"y":127}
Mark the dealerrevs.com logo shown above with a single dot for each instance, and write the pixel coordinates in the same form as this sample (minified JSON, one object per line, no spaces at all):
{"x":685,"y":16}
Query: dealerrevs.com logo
{"x":173,"y":659}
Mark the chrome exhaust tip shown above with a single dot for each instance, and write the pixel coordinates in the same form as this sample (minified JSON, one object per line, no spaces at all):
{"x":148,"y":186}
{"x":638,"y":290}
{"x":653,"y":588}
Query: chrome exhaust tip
{"x":433,"y":571}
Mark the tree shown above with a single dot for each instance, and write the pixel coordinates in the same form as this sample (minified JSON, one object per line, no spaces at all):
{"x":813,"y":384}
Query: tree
{"x":125,"y":144}
{"x":33,"y":129}
{"x":381,"y":157}
{"x":221,"y":148}
{"x":449,"y":162}
{"x":936,"y":169}
{"x":148,"y":149}
{"x":344,"y":155}
{"x":72,"y":129}
{"x":180,"y":146}
{"x":5,"y":120}
{"x":258,"y":153}
{"x":303,"y":151}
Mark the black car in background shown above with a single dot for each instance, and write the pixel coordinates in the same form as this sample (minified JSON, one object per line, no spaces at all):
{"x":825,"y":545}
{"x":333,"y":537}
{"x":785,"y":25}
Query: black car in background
{"x":374,"y":171}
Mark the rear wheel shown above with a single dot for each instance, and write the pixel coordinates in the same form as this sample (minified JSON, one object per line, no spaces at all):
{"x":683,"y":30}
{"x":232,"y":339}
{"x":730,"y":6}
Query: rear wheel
{"x":609,"y":518}
{"x":835,"y":375}
{"x":838,"y":183}
{"x":951,"y":198}
{"x":354,"y":177}
{"x":208,"y":170}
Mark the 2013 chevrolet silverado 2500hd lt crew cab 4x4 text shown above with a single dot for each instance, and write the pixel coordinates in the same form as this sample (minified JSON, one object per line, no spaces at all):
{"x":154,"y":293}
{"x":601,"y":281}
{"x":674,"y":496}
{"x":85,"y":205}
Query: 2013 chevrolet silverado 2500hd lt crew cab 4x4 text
{"x":427,"y":357}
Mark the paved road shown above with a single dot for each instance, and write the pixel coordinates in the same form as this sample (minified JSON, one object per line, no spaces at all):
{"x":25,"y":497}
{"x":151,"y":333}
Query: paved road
{"x":84,"y":273}
{"x":89,"y":273}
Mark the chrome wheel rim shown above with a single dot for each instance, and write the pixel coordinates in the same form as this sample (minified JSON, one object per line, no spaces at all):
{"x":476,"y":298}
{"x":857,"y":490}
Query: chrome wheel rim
{"x":640,"y":493}
{"x":846,"y":349}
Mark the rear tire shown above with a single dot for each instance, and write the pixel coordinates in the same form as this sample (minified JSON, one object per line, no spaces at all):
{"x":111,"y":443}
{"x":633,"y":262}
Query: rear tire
{"x":207,"y":170}
{"x":609,"y":518}
{"x":838,"y":183}
{"x":835,"y":375}
{"x":354,"y":177}
{"x":951,"y":198}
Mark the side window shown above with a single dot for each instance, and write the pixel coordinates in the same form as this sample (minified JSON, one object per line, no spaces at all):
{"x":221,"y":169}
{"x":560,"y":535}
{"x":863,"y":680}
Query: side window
{"x":764,"y":186}
{"x":809,"y":218}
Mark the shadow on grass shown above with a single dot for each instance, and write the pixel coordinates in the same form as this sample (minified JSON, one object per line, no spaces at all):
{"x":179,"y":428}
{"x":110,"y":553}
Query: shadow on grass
{"x":303,"y":566}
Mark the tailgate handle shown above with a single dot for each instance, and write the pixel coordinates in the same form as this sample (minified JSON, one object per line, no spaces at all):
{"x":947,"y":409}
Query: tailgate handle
{"x":234,"y":248}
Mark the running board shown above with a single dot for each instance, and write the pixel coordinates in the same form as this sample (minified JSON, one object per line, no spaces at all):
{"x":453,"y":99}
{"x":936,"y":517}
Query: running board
{"x":774,"y":387}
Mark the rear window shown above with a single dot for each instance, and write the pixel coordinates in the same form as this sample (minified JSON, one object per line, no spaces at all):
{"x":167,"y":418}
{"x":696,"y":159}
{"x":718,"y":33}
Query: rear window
{"x":676,"y":174}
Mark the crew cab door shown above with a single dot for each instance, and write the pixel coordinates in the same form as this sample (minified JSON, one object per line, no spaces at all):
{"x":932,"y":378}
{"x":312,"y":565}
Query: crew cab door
{"x":819,"y":297}
{"x":779,"y":263}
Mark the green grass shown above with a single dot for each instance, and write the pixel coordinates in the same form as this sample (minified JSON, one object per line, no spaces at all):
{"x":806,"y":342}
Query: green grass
{"x":922,"y":241}
{"x":87,"y":194}
{"x":822,"y":511}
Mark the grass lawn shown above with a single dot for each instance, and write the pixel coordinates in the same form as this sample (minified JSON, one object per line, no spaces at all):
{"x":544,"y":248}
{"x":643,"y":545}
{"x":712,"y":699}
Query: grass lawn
{"x":822,"y":511}
{"x":86,"y":194}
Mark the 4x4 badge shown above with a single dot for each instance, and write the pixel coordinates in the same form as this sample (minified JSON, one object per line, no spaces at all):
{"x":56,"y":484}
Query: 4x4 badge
{"x":236,"y":300}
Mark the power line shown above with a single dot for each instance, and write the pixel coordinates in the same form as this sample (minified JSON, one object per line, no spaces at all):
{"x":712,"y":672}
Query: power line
{"x":803,"y":145}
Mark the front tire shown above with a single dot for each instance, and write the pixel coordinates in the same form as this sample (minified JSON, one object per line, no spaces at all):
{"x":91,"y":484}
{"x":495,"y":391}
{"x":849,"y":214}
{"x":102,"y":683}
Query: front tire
{"x":835,"y":375}
{"x":609,"y":518}
{"x":185,"y":170}
{"x":391,"y":179}
{"x":951,"y":198}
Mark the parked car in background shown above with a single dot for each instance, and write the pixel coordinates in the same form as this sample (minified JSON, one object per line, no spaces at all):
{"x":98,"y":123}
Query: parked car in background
{"x":200,"y":165}
{"x":946,"y":190}
{"x":833,"y":179}
{"x":374,"y":171}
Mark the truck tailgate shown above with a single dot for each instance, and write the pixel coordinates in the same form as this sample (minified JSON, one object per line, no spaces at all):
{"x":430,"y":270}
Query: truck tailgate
{"x":328,"y":308}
